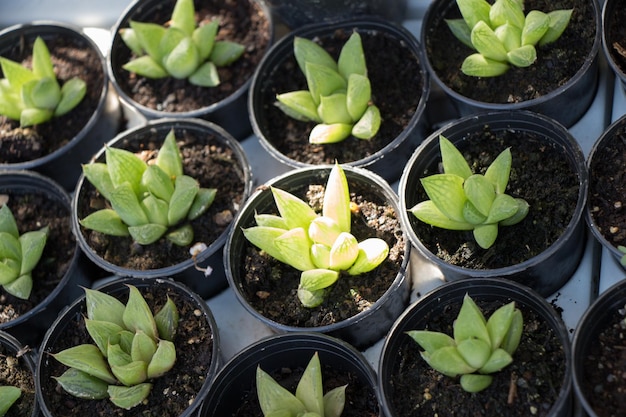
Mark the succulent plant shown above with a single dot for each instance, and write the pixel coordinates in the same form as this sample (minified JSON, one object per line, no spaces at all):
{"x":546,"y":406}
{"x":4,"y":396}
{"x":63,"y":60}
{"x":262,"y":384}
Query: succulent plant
{"x":19,"y":254}
{"x":148,"y":200}
{"x":319,"y":246}
{"x":183,"y":49}
{"x":502,"y":35}
{"x":339,"y":95}
{"x":8,"y":396}
{"x":131,"y":347}
{"x":309,"y":399}
{"x":478,"y":348}
{"x":461,"y":200}
{"x":34,"y":96}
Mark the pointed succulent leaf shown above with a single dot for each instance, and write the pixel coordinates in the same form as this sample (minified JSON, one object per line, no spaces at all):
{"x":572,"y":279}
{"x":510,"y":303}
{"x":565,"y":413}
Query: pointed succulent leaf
{"x":344,"y":252}
{"x":129,"y":397}
{"x":125,"y":203}
{"x":453,"y":161}
{"x":311,"y":299}
{"x":296,"y":212}
{"x":72,"y":93}
{"x":324,"y":230}
{"x":461,"y":31}
{"x":183,"y":60}
{"x":15,"y":73}
{"x":310,"y":390}
{"x":352,"y":58}
{"x":499,"y":359}
{"x":7,"y":222}
{"x":372,"y":252}
{"x":476,"y":65}
{"x":82,"y":385}
{"x":559,"y":19}
{"x":155,"y":209}
{"x":333,"y":109}
{"x":171,"y":39}
{"x":475,"y":382}
{"x":9,"y":270}
{"x":472,"y":214}
{"x":300,"y":102}
{"x":137,"y":314}
{"x":487,"y":43}
{"x":513,"y":336}
{"x":146,"y":66}
{"x":336,"y":203}
{"x":149,"y":36}
{"x":131,"y":373}
{"x":102,"y":332}
{"x":129,"y":37}
{"x":124,"y":166}
{"x":271,"y":220}
{"x":274,"y":397}
{"x":506,"y":11}
{"x":158,"y":182}
{"x":305,"y":50}
{"x":34,"y":116}
{"x":143,"y":347}
{"x":103,"y":307}
{"x":333,"y":133}
{"x":97,"y":173}
{"x":148,"y":233}
{"x":522,"y":57}
{"x":367,"y":126}
{"x":10,"y":247}
{"x":510,"y":36}
{"x":446,"y":192}
{"x":474,"y":11}
{"x":264,"y":237}
{"x":317,"y":279}
{"x":323,"y":81}
{"x":42,"y":63}
{"x":521,"y":213}
{"x":204,"y":38}
{"x":8,"y":396}
{"x":358,"y":95}
{"x":431,"y":341}
{"x":475,"y":352}
{"x":185,"y":191}
{"x":183,"y":16}
{"x":45,"y":93}
{"x":499,"y":322}
{"x":105,"y":221}
{"x":535,"y":26}
{"x":225,"y":53}
{"x":428,"y":212}
{"x":448,"y":361}
{"x":163,"y":359}
{"x":20,"y":287}
{"x":485,"y":235}
{"x":167,"y":320}
{"x":206,"y":75}
{"x":169,"y":158}
{"x":86,"y":358}
{"x":470,"y":322}
{"x":118,"y":355}
{"x":125,"y":341}
{"x":503,"y":207}
{"x":181,"y":236}
{"x":320,"y":255}
{"x":294,"y":247}
{"x":334,"y":401}
{"x":480,"y":192}
{"x":499,"y":171}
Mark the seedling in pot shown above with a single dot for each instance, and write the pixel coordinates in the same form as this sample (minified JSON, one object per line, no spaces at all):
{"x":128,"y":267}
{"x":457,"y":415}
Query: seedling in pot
{"x":319,"y":246}
{"x":8,"y":396}
{"x":478,"y":347}
{"x":309,"y":399}
{"x":339,"y":95}
{"x":34,"y":96}
{"x":131,"y":347}
{"x":461,"y":200}
{"x":181,"y":49}
{"x":148,"y":200}
{"x":502,"y":35}
{"x":19,"y":254}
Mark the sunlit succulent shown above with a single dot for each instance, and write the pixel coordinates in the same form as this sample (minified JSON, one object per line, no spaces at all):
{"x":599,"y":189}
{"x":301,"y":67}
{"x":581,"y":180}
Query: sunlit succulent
{"x":131,"y":347}
{"x":309,"y":399}
{"x":478,"y":348}
{"x":19,"y":254}
{"x":339,"y":95}
{"x":462,"y":200}
{"x":182,"y":49}
{"x":33,"y":95}
{"x":148,"y":200}
{"x":319,"y":246}
{"x":503,"y":35}
{"x":8,"y":396}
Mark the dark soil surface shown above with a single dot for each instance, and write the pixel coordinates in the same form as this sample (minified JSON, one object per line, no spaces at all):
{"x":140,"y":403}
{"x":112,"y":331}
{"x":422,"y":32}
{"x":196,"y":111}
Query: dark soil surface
{"x":206,"y":159}
{"x":241,"y":21}
{"x":603,"y":378}
{"x":540,"y":174}
{"x":71,"y":58}
{"x":527,"y":387}
{"x":271,"y":286}
{"x":394,"y":73}
{"x":32,"y":212}
{"x":171,"y":394}
{"x":14,"y":371}
{"x":556,"y":63}
{"x":616,"y":36}
{"x":607,"y":188}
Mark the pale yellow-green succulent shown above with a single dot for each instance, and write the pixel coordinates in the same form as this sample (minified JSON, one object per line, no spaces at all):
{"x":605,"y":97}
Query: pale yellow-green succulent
{"x":131,"y":347}
{"x":8,"y":396}
{"x":321,"y":246}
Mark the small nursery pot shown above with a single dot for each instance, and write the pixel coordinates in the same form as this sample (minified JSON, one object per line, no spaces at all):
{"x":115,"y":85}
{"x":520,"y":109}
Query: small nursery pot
{"x":400,"y":352}
{"x":597,"y":349}
{"x":612,"y":18}
{"x":249,"y":22}
{"x":400,"y":96}
{"x":388,"y":289}
{"x":99,"y":110}
{"x":195,"y":367}
{"x":566,"y":102}
{"x":554,"y":263}
{"x":233,"y":391}
{"x":215,"y":150}
{"x":64,"y":268}
{"x":17,"y":369}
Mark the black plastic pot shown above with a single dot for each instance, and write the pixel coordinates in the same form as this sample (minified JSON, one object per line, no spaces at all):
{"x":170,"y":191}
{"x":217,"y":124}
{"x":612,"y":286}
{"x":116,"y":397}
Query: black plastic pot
{"x":64,"y":164}
{"x":610,"y":22}
{"x":387,"y":161}
{"x":211,"y":257}
{"x":360,"y":330}
{"x":231,"y":112}
{"x":566,"y":104}
{"x":74,"y":315}
{"x":10,"y":346}
{"x":595,"y":320}
{"x":546,"y":272}
{"x":437,"y":302}
{"x":235,"y":383}
{"x":30,"y":327}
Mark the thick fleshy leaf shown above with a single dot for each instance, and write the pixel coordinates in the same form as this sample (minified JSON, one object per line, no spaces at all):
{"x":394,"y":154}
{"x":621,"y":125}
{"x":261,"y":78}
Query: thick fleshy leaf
{"x":352,"y":58}
{"x":263,"y":237}
{"x":506,"y":11}
{"x":336,"y":203}
{"x":358,"y":95}
{"x":446,"y":192}
{"x":294,"y":247}
{"x":470,"y":322}
{"x":323,"y":81}
{"x":15,"y":73}
{"x":535,"y":26}
{"x":97,"y":173}
{"x":510,"y":36}
{"x":163,"y":359}
{"x":473,"y":11}
{"x":143,"y":347}
{"x":499,"y":322}
{"x":487,"y":43}
{"x":448,"y":361}
{"x":146,"y":66}
{"x":42,"y":63}
{"x":185,"y":191}
{"x":45,"y":93}
{"x":225,"y":53}
{"x":10,"y":247}
{"x":372,"y":252}
{"x":306,"y":50}
{"x":206,"y":75}
{"x":8,"y":223}
{"x":475,"y":382}
{"x":102,"y":332}
{"x":431,"y":341}
{"x":334,"y":133}
{"x":155,"y":209}
{"x":130,"y":374}
{"x":270,"y":220}
{"x":295,"y":211}
{"x":118,"y":355}
{"x":428,"y":212}
{"x":317,"y":279}
{"x":334,"y":401}
{"x":8,"y":396}
{"x":274,"y":397}
{"x":183,"y":16}
{"x":183,"y":60}
{"x":333,"y":109}
{"x":521,"y":213}
{"x":472,"y":214}
{"x":129,"y":37}
{"x":149,"y":36}
{"x":320,"y":255}
{"x":181,"y":236}
{"x":460,"y":30}
{"x":137,"y":314}
{"x":202,"y":202}
{"x":32,"y":244}
{"x":499,"y":171}
{"x":125,"y":203}
{"x":169,"y":158}
{"x":480,"y":192}
{"x":9,"y":270}
{"x":129,"y":397}
{"x":72,"y":93}
{"x":311,"y":299}
{"x":452,"y":160}
{"x":86,"y":358}
{"x":503,"y":207}
{"x":368,"y":124}
{"x":475,"y":352}
{"x":105,"y":221}
{"x":477,"y":65}
{"x":20,"y":287}
{"x":34,"y":116}
{"x":204,"y":38}
{"x":167,"y":320}
{"x":158,"y":182}
{"x":310,"y":390}
{"x":512,"y":338}
{"x":498,"y":360}
{"x":300,"y":102}
{"x":485,"y":235}
{"x":324,"y":230}
{"x":344,"y":252}
{"x":82,"y":385}
{"x":523,"y":57}
{"x":125,"y":166}
{"x":104,"y":307}
{"x":559,"y":19}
